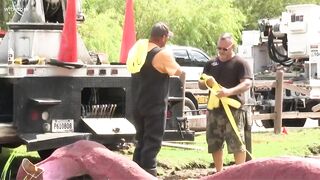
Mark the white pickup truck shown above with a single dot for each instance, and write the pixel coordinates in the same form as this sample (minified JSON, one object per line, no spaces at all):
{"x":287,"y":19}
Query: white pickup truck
{"x":192,"y":61}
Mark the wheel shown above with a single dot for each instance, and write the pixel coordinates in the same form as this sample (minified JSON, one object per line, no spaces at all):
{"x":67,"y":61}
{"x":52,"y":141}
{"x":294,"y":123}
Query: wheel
{"x":44,"y":154}
{"x":294,"y":122}
{"x":285,"y":122}
{"x":189,"y":107}
{"x":267,"y":123}
{"x":298,"y":122}
{"x":309,"y":106}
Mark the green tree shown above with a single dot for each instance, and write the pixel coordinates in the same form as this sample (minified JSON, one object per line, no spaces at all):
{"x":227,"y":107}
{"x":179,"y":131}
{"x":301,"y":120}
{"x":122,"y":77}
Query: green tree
{"x":102,"y":33}
{"x":257,"y":9}
{"x":194,"y":22}
{"x":102,"y":29}
{"x":6,"y":12}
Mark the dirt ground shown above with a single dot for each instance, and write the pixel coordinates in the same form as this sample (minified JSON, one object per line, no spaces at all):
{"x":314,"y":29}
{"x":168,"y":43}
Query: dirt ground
{"x":197,"y":173}
{"x":186,"y":174}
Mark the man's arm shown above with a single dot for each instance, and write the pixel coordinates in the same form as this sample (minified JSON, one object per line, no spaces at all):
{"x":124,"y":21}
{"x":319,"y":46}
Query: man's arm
{"x":170,"y":66}
{"x":182,"y":75}
{"x":244,"y":85}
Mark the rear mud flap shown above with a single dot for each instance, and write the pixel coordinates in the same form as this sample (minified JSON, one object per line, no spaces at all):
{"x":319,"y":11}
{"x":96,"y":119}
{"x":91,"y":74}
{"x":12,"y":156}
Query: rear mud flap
{"x":35,"y":142}
{"x":111,"y":131}
{"x":110,"y":126}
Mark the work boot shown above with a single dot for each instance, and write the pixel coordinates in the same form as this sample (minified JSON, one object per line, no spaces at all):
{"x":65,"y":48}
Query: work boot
{"x":152,"y":171}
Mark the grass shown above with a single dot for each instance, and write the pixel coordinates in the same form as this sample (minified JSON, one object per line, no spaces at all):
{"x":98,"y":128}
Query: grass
{"x":19,"y":153}
{"x":298,"y":142}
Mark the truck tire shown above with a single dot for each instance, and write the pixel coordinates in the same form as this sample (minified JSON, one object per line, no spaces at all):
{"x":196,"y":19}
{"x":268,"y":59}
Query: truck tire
{"x":285,"y":122}
{"x":44,"y":154}
{"x":309,"y":106}
{"x":267,"y":123}
{"x":294,"y":122}
{"x":189,"y":106}
{"x":300,"y":122}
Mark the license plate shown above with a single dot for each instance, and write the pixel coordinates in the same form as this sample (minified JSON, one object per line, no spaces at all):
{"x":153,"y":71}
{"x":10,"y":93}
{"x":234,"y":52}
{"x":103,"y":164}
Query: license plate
{"x":62,"y":125}
{"x":202,"y":99}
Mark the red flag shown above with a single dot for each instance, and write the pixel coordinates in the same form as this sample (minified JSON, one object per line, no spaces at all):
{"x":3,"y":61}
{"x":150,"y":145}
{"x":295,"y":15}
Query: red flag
{"x":68,"y":46}
{"x":2,"y":33}
{"x":129,"y":32}
{"x":284,"y":130}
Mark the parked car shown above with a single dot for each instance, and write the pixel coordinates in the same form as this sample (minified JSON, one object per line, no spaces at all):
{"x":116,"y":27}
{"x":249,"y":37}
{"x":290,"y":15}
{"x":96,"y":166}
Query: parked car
{"x":191,"y":59}
{"x":189,"y":56}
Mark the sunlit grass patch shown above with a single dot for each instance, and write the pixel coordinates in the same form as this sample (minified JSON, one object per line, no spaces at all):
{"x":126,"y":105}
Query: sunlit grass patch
{"x":11,"y":159}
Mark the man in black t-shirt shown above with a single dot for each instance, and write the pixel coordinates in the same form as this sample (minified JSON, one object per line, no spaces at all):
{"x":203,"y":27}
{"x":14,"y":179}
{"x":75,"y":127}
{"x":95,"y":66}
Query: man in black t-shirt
{"x":233,"y":74}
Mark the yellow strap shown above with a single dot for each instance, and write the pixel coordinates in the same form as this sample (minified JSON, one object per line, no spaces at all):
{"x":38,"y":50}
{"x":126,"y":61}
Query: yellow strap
{"x":137,"y":55}
{"x":19,"y":60}
{"x":213,"y":102}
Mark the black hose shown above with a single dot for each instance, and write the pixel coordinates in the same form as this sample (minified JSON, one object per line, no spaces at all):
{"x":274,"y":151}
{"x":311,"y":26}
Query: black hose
{"x":273,"y":52}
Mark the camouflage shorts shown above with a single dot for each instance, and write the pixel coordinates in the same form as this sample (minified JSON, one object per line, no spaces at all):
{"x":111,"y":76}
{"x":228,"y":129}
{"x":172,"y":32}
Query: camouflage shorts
{"x":219,"y":130}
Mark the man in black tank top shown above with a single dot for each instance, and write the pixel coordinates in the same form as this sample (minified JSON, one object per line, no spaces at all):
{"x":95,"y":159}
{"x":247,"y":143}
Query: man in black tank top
{"x":150,"y":89}
{"x":234,"y":75}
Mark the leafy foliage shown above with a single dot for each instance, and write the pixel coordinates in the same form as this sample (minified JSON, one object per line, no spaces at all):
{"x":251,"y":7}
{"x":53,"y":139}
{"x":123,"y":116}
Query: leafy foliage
{"x":6,"y":12}
{"x":256,"y":9}
{"x":194,"y":22}
{"x":102,"y":33}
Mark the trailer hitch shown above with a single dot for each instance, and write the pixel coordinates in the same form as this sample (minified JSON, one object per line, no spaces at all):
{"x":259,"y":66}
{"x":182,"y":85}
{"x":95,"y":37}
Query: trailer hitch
{"x":181,"y":124}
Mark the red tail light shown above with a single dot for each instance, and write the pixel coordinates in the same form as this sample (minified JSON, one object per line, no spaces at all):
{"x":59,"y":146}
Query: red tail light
{"x":90,"y":72}
{"x":169,"y":114}
{"x":34,"y":115}
{"x":30,"y":71}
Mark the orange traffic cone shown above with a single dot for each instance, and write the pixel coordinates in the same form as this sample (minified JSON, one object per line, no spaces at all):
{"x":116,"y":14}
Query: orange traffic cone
{"x":68,"y":46}
{"x":284,"y":130}
{"x":129,"y":32}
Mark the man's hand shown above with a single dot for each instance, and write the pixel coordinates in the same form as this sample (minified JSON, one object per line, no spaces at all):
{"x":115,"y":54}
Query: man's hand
{"x":240,"y":88}
{"x":210,"y":81}
{"x":224,"y":92}
{"x":206,"y":81}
